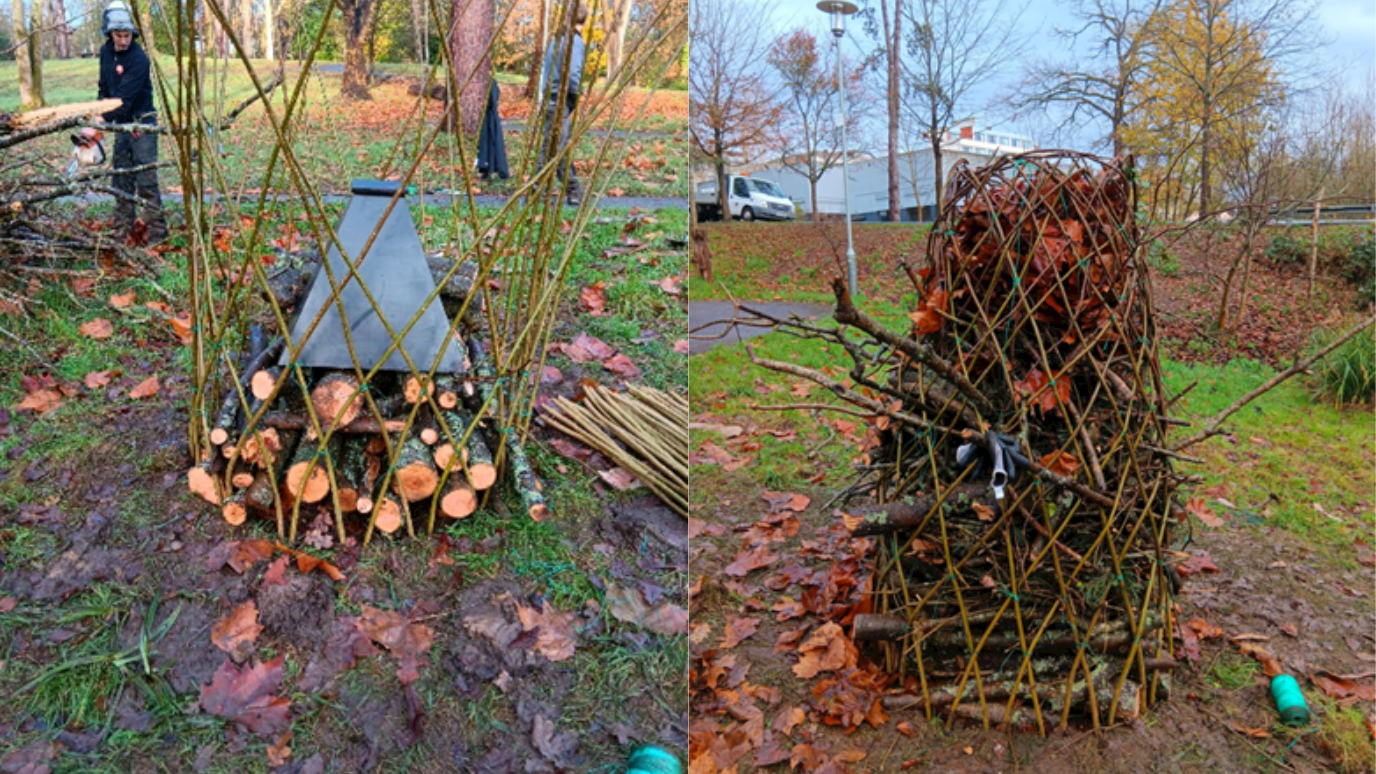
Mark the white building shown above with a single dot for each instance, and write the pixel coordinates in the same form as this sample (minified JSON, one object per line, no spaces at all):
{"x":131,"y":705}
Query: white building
{"x":869,"y":176}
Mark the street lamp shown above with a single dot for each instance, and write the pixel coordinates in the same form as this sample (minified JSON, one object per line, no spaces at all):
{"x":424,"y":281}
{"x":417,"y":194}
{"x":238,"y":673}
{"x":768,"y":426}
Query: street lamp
{"x":838,"y":10}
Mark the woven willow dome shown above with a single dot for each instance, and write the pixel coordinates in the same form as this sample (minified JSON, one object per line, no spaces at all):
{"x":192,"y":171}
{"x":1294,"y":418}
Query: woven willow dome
{"x":1033,"y":343}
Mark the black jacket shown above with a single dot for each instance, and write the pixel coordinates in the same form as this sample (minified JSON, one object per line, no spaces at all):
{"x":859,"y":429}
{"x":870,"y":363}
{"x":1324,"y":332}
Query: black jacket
{"x":126,"y":76}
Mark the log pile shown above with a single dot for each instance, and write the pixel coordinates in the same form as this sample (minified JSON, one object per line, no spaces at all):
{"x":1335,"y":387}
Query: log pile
{"x":390,"y":454}
{"x":1016,"y":479}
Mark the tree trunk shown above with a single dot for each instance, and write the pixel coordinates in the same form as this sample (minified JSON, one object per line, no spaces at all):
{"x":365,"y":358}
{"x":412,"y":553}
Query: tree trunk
{"x":537,"y":60}
{"x":358,"y":20}
{"x":620,"y":15}
{"x":470,"y":30}
{"x":722,"y":193}
{"x":812,"y":186}
{"x":892,"y":40}
{"x":246,"y":27}
{"x":938,"y":172}
{"x":27,"y":56}
{"x":269,"y":27}
{"x":64,"y":30}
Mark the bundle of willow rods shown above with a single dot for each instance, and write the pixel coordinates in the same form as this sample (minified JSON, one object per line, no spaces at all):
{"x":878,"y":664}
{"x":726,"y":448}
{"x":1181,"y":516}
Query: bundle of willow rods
{"x":642,"y":430}
{"x":1033,"y":333}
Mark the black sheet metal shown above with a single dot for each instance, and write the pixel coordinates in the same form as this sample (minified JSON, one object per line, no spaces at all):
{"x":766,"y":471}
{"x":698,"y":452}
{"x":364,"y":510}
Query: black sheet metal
{"x":395,"y":273}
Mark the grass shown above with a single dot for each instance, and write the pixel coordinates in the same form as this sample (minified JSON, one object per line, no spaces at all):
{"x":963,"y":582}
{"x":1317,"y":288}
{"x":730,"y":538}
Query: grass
{"x":1233,"y":671}
{"x":336,"y":141}
{"x":1344,"y":736}
{"x":1347,"y":376}
{"x":1284,"y":444}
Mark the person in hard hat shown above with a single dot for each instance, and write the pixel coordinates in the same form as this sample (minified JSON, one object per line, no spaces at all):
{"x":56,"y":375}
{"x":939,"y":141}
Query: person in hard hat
{"x":126,"y":75}
{"x":571,"y":87}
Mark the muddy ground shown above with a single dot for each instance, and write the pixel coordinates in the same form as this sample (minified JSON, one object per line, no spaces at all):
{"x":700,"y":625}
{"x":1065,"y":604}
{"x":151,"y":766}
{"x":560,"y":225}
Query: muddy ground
{"x":1315,"y":610}
{"x":113,"y":580}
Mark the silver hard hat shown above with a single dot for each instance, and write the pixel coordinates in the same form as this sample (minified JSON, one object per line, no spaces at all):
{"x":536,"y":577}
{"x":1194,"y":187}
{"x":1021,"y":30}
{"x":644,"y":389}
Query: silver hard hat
{"x":117,"y":16}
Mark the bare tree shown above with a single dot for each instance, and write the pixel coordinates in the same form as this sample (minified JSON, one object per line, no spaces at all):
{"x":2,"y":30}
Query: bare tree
{"x":1102,"y":85}
{"x":617,"y":18}
{"x":730,"y":103}
{"x":57,"y":11}
{"x":953,"y":47}
{"x":809,"y":137}
{"x":890,"y":36}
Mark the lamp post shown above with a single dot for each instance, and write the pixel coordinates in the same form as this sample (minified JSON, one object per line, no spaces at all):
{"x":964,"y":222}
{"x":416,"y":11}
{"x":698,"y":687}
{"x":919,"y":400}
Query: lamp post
{"x":838,"y":10}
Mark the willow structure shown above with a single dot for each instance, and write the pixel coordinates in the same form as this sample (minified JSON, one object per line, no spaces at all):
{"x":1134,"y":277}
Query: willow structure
{"x":1020,"y":492}
{"x":417,"y":421}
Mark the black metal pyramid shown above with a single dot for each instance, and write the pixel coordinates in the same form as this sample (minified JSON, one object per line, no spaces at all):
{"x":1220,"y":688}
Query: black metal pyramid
{"x":395,"y":273}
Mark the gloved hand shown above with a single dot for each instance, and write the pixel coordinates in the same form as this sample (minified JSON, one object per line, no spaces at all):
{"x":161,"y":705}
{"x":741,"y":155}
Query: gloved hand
{"x":1002,"y":458}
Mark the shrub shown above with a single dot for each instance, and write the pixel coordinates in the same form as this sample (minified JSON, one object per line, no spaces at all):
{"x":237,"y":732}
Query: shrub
{"x":1286,"y":248}
{"x":1162,"y":260}
{"x":1348,"y":374}
{"x":1358,"y":266}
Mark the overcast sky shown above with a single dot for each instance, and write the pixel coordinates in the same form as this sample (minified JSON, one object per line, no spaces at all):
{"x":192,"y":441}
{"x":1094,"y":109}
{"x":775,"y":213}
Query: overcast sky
{"x":1349,"y":24}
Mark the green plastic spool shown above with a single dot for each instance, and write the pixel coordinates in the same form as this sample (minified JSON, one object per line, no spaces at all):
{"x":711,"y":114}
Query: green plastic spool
{"x":652,"y":760}
{"x":1289,"y":700}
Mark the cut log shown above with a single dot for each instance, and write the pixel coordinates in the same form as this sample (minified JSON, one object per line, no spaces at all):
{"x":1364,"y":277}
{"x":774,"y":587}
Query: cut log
{"x":234,"y":510}
{"x":447,"y":388}
{"x":417,"y":388}
{"x":476,"y":459}
{"x":242,"y":478}
{"x":230,"y":419}
{"x":351,"y":473}
{"x":388,"y":518}
{"x":336,"y":399}
{"x":416,"y":477}
{"x":364,"y":425}
{"x":261,"y":447}
{"x":307,"y":478}
{"x":36,"y":118}
{"x":202,"y":483}
{"x":264,"y":381}
{"x":524,"y":479}
{"x":897,"y":516}
{"x":872,"y":628}
{"x":429,"y":436}
{"x":459,"y":500}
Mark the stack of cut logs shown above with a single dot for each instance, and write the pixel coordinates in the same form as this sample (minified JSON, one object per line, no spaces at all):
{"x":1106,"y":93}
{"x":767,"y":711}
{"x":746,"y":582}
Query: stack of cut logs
{"x":442,"y":456}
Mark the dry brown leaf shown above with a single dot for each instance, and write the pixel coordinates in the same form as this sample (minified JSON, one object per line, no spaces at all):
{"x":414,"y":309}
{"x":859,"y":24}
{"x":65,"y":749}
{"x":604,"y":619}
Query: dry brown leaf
{"x":97,"y":379}
{"x":828,"y":649}
{"x":1270,"y":666}
{"x":984,"y":512}
{"x":279,"y":752}
{"x":99,"y":328}
{"x":1255,"y":733}
{"x":122,"y":300}
{"x":146,"y":388}
{"x":41,"y":401}
{"x":619,"y":479}
{"x":556,"y":639}
{"x":738,"y":629}
{"x":237,"y":632}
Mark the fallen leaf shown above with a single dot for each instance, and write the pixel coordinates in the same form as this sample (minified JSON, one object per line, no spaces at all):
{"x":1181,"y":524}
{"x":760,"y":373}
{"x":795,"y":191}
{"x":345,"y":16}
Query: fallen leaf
{"x":1290,"y":630}
{"x":670,"y":284}
{"x":982,"y":511}
{"x":99,"y":328}
{"x":1345,"y":688}
{"x":905,"y":728}
{"x":408,"y":641}
{"x":1201,"y":511}
{"x":556,"y":639}
{"x":748,"y":561}
{"x":146,"y":388}
{"x":122,"y":300}
{"x":681,"y":346}
{"x":1255,"y":733}
{"x":237,"y":632}
{"x":1197,"y":563}
{"x":585,"y":348}
{"x":244,"y":696}
{"x":826,"y":650}
{"x":619,"y":479}
{"x":97,"y":379}
{"x":1270,"y":666}
{"x":626,"y":603}
{"x":7,"y":604}
{"x":1204,"y":629}
{"x":621,"y":365}
{"x":738,"y":629}
{"x":41,"y":401}
{"x":278,"y":751}
{"x":1061,"y":463}
{"x":594,"y":299}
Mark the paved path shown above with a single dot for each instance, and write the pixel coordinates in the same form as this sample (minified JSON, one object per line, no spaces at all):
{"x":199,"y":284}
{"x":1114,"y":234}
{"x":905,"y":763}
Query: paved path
{"x":714,"y":318}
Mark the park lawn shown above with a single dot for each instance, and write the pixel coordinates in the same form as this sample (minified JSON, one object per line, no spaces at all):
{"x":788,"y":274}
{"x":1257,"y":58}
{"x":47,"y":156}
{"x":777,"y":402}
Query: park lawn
{"x":109,"y":666}
{"x":336,"y":140}
{"x":763,"y":261}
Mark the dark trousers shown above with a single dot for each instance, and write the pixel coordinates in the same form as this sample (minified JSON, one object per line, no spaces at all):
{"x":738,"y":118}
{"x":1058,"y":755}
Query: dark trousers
{"x":565,"y":170}
{"x":137,"y":150}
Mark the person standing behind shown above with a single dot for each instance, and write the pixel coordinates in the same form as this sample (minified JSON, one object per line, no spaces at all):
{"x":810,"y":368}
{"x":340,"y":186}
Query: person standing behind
{"x":554,"y":81}
{"x":126,"y":74}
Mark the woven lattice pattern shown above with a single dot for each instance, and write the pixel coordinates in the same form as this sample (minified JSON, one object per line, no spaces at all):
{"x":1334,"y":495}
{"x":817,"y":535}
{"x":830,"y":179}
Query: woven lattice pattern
{"x":1033,"y":343}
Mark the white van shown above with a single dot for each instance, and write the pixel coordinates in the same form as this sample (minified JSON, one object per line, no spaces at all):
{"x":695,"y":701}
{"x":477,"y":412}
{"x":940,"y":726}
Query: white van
{"x":751,"y":199}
